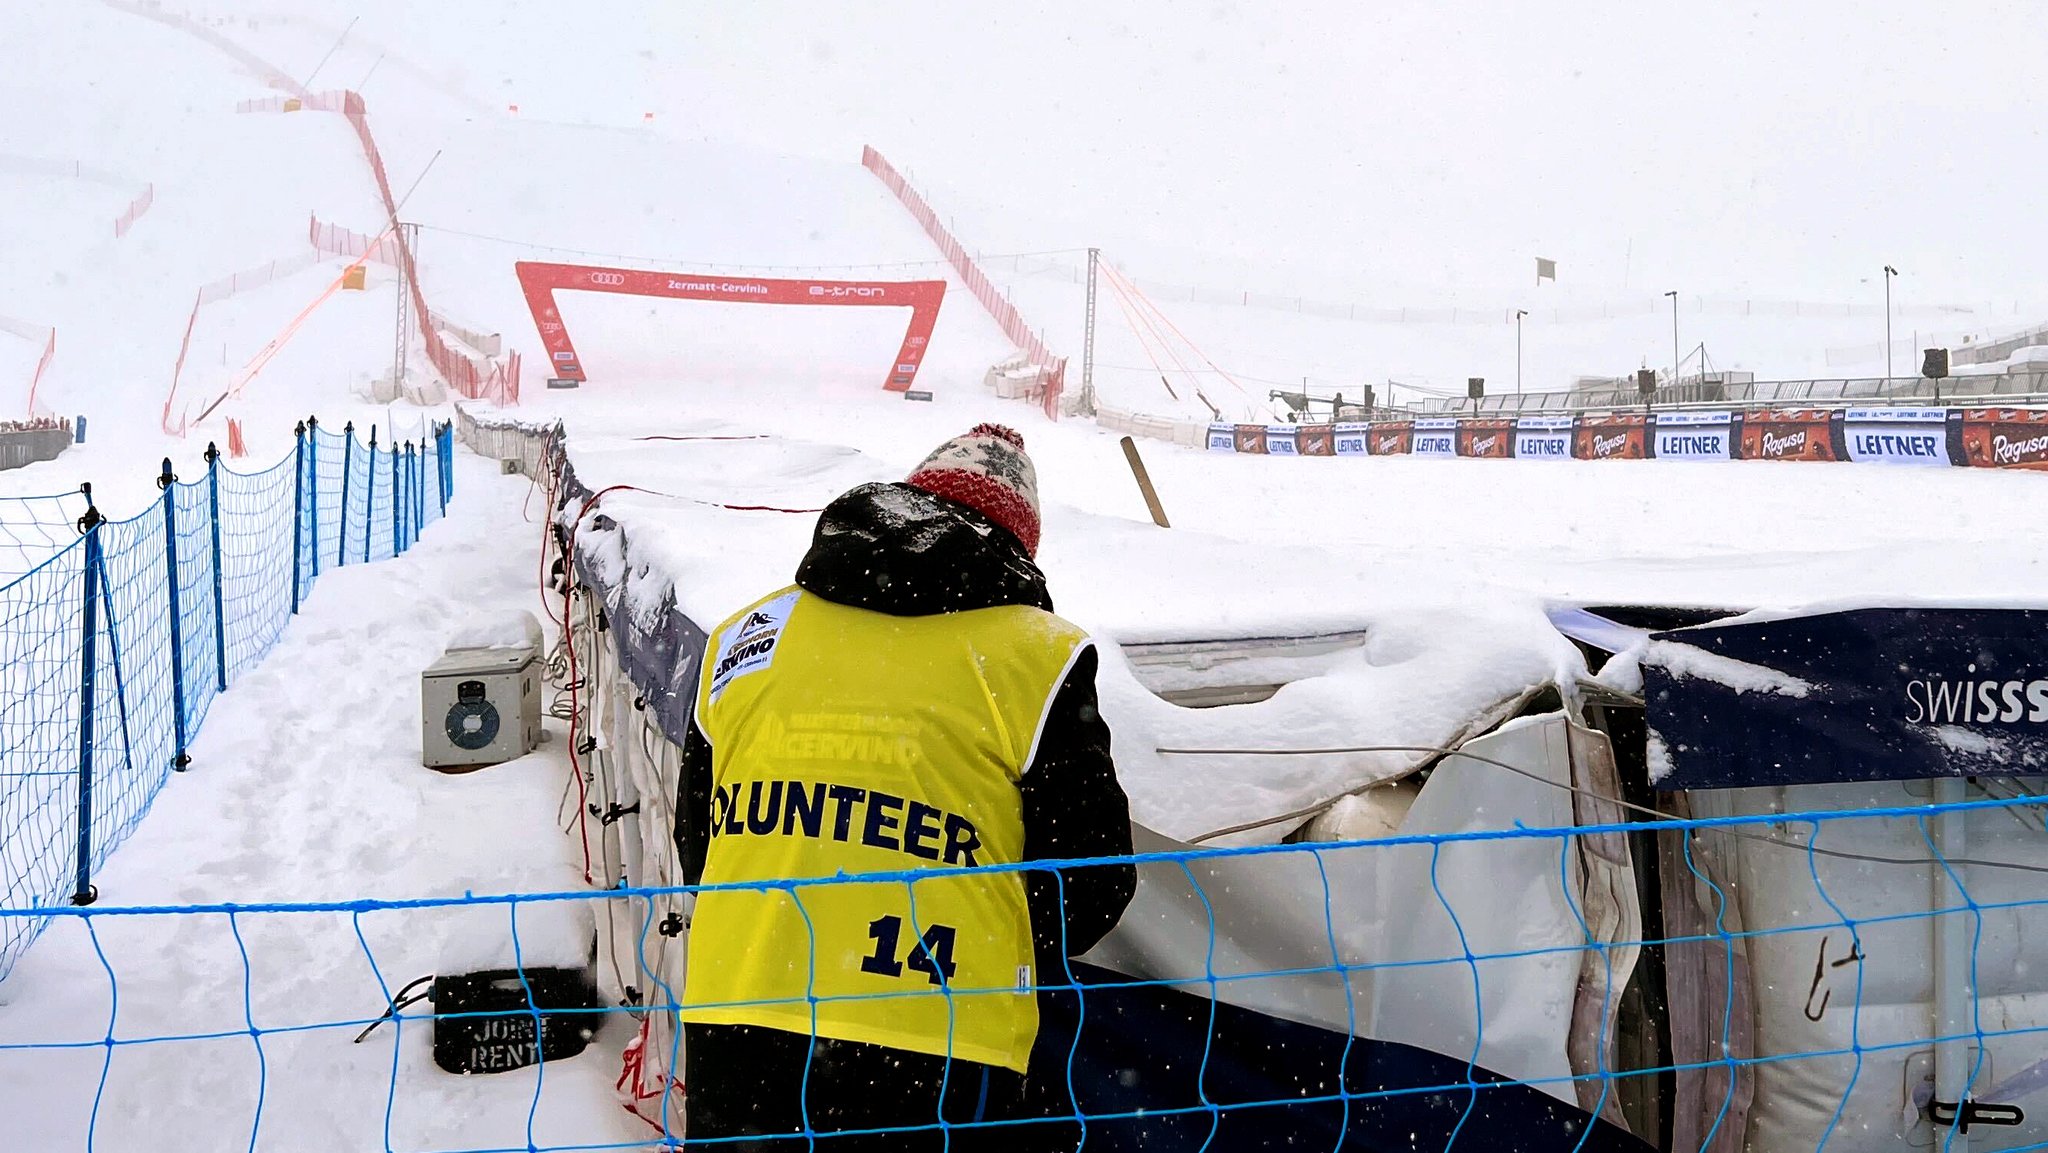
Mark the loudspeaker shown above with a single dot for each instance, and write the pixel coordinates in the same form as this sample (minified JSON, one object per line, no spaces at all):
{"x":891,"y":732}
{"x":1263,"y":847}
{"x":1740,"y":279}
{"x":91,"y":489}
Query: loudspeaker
{"x":1368,"y":401}
{"x":1934,"y":366}
{"x":1646,"y":381}
{"x":1475,"y":387}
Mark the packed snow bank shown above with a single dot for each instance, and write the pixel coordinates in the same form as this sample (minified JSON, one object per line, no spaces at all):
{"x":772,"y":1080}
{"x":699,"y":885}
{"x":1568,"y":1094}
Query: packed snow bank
{"x":306,"y":786}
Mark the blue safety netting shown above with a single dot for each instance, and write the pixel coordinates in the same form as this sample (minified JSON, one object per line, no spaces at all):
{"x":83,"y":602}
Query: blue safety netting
{"x":1124,"y":1061}
{"x":115,"y":642}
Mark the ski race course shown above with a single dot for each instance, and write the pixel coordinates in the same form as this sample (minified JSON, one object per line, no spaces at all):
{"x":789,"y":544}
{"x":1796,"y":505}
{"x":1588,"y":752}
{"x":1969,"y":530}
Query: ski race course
{"x":1418,"y":866}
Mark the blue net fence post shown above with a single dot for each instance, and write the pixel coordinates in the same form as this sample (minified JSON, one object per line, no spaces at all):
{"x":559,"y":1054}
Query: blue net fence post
{"x":313,"y":505}
{"x":83,"y":893}
{"x":397,"y":521}
{"x":370,"y":496}
{"x":441,"y":474}
{"x":412,"y":493}
{"x":220,"y":620}
{"x":168,"y":483}
{"x":348,"y":452}
{"x":298,"y":509}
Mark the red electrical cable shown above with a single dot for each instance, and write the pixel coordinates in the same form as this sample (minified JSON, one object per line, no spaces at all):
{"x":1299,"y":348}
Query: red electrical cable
{"x":568,"y":584}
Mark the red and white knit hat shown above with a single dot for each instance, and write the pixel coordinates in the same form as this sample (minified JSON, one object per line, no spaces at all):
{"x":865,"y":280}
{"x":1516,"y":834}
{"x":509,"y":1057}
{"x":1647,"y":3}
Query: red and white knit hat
{"x":987,"y":471}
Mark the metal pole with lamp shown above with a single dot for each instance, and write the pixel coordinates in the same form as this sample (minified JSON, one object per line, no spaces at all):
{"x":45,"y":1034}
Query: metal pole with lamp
{"x":1889,"y":272}
{"x":1673,"y":294}
{"x":1519,"y":314}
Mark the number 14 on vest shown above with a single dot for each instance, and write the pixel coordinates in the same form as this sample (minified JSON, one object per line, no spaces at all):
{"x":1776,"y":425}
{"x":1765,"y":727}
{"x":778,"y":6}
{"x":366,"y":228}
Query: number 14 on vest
{"x":932,"y":956}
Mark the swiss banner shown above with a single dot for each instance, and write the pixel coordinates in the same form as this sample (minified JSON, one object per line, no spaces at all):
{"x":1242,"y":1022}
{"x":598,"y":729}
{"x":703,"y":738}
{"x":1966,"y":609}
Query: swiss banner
{"x":1870,"y":694}
{"x":2005,"y":438}
{"x":1790,"y":434}
{"x":1612,"y":436}
{"x":1492,"y":439}
{"x":541,"y":281}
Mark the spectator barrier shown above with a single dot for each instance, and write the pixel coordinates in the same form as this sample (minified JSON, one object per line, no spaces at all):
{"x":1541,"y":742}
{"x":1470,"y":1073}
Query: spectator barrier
{"x":114,"y":645}
{"x":1974,"y":437}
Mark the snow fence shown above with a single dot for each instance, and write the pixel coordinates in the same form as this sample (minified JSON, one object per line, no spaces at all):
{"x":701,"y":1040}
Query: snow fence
{"x":119,"y":635}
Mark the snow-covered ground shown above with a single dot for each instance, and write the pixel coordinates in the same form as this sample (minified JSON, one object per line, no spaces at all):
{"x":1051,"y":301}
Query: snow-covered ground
{"x":306,"y":786}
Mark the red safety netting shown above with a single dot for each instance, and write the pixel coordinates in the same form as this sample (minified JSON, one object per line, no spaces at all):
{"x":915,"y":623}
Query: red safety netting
{"x":478,"y":381}
{"x":134,"y":211}
{"x":473,"y":378}
{"x":37,"y":334}
{"x":334,"y":240}
{"x":1053,"y":368}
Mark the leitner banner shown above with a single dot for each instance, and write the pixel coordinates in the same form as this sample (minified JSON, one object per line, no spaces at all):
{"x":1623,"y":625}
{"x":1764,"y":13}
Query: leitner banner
{"x":1350,"y":438}
{"x":1435,"y":436}
{"x":1863,"y":695}
{"x":1280,"y":440}
{"x":1222,"y":438}
{"x":1391,"y":439}
{"x":2005,"y":437}
{"x":1694,"y":436}
{"x":1250,"y":438}
{"x":1486,"y":438}
{"x":1790,"y":434}
{"x":1544,"y":437}
{"x":1612,"y":436}
{"x":1315,"y":440}
{"x":1917,"y":436}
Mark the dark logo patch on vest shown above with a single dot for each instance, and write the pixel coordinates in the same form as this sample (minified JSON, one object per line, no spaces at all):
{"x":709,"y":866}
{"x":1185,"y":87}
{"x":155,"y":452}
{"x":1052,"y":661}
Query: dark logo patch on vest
{"x":749,"y":646}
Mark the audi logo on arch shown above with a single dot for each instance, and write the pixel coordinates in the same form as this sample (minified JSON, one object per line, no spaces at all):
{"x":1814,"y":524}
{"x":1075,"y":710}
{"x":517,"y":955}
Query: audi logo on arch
{"x":613,"y":279}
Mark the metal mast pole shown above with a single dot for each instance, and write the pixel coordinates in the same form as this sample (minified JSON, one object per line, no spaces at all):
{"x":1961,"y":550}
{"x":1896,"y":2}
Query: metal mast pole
{"x":1088,"y":337}
{"x":402,"y":330}
{"x":1889,"y":272}
{"x":1519,"y":314}
{"x":1673,"y":294}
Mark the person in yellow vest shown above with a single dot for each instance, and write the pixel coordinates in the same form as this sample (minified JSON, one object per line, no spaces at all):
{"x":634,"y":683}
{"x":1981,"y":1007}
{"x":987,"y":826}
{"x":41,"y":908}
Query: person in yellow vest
{"x":910,"y":708}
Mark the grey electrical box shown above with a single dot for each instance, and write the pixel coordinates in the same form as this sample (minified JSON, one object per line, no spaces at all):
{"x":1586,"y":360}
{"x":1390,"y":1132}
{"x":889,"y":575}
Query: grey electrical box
{"x":480,"y":706}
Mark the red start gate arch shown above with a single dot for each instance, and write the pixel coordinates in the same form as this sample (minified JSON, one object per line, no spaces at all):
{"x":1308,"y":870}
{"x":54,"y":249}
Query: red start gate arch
{"x":541,"y":281}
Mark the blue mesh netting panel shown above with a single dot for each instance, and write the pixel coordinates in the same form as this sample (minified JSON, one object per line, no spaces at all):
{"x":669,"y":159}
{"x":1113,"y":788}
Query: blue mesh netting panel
{"x":40,"y":643}
{"x":256,"y":561}
{"x":35,"y":528}
{"x":331,"y":458}
{"x":192,"y":503}
{"x":377,"y":541}
{"x":133,"y":698}
{"x":143,"y":622}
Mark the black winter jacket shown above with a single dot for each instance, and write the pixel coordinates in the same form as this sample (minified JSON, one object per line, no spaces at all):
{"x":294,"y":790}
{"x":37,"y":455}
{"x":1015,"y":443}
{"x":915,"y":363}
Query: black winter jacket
{"x":899,"y":550}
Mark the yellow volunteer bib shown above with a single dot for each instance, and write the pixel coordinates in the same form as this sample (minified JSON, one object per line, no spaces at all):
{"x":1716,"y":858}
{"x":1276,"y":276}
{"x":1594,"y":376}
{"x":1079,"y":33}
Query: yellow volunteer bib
{"x":852,"y":741}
